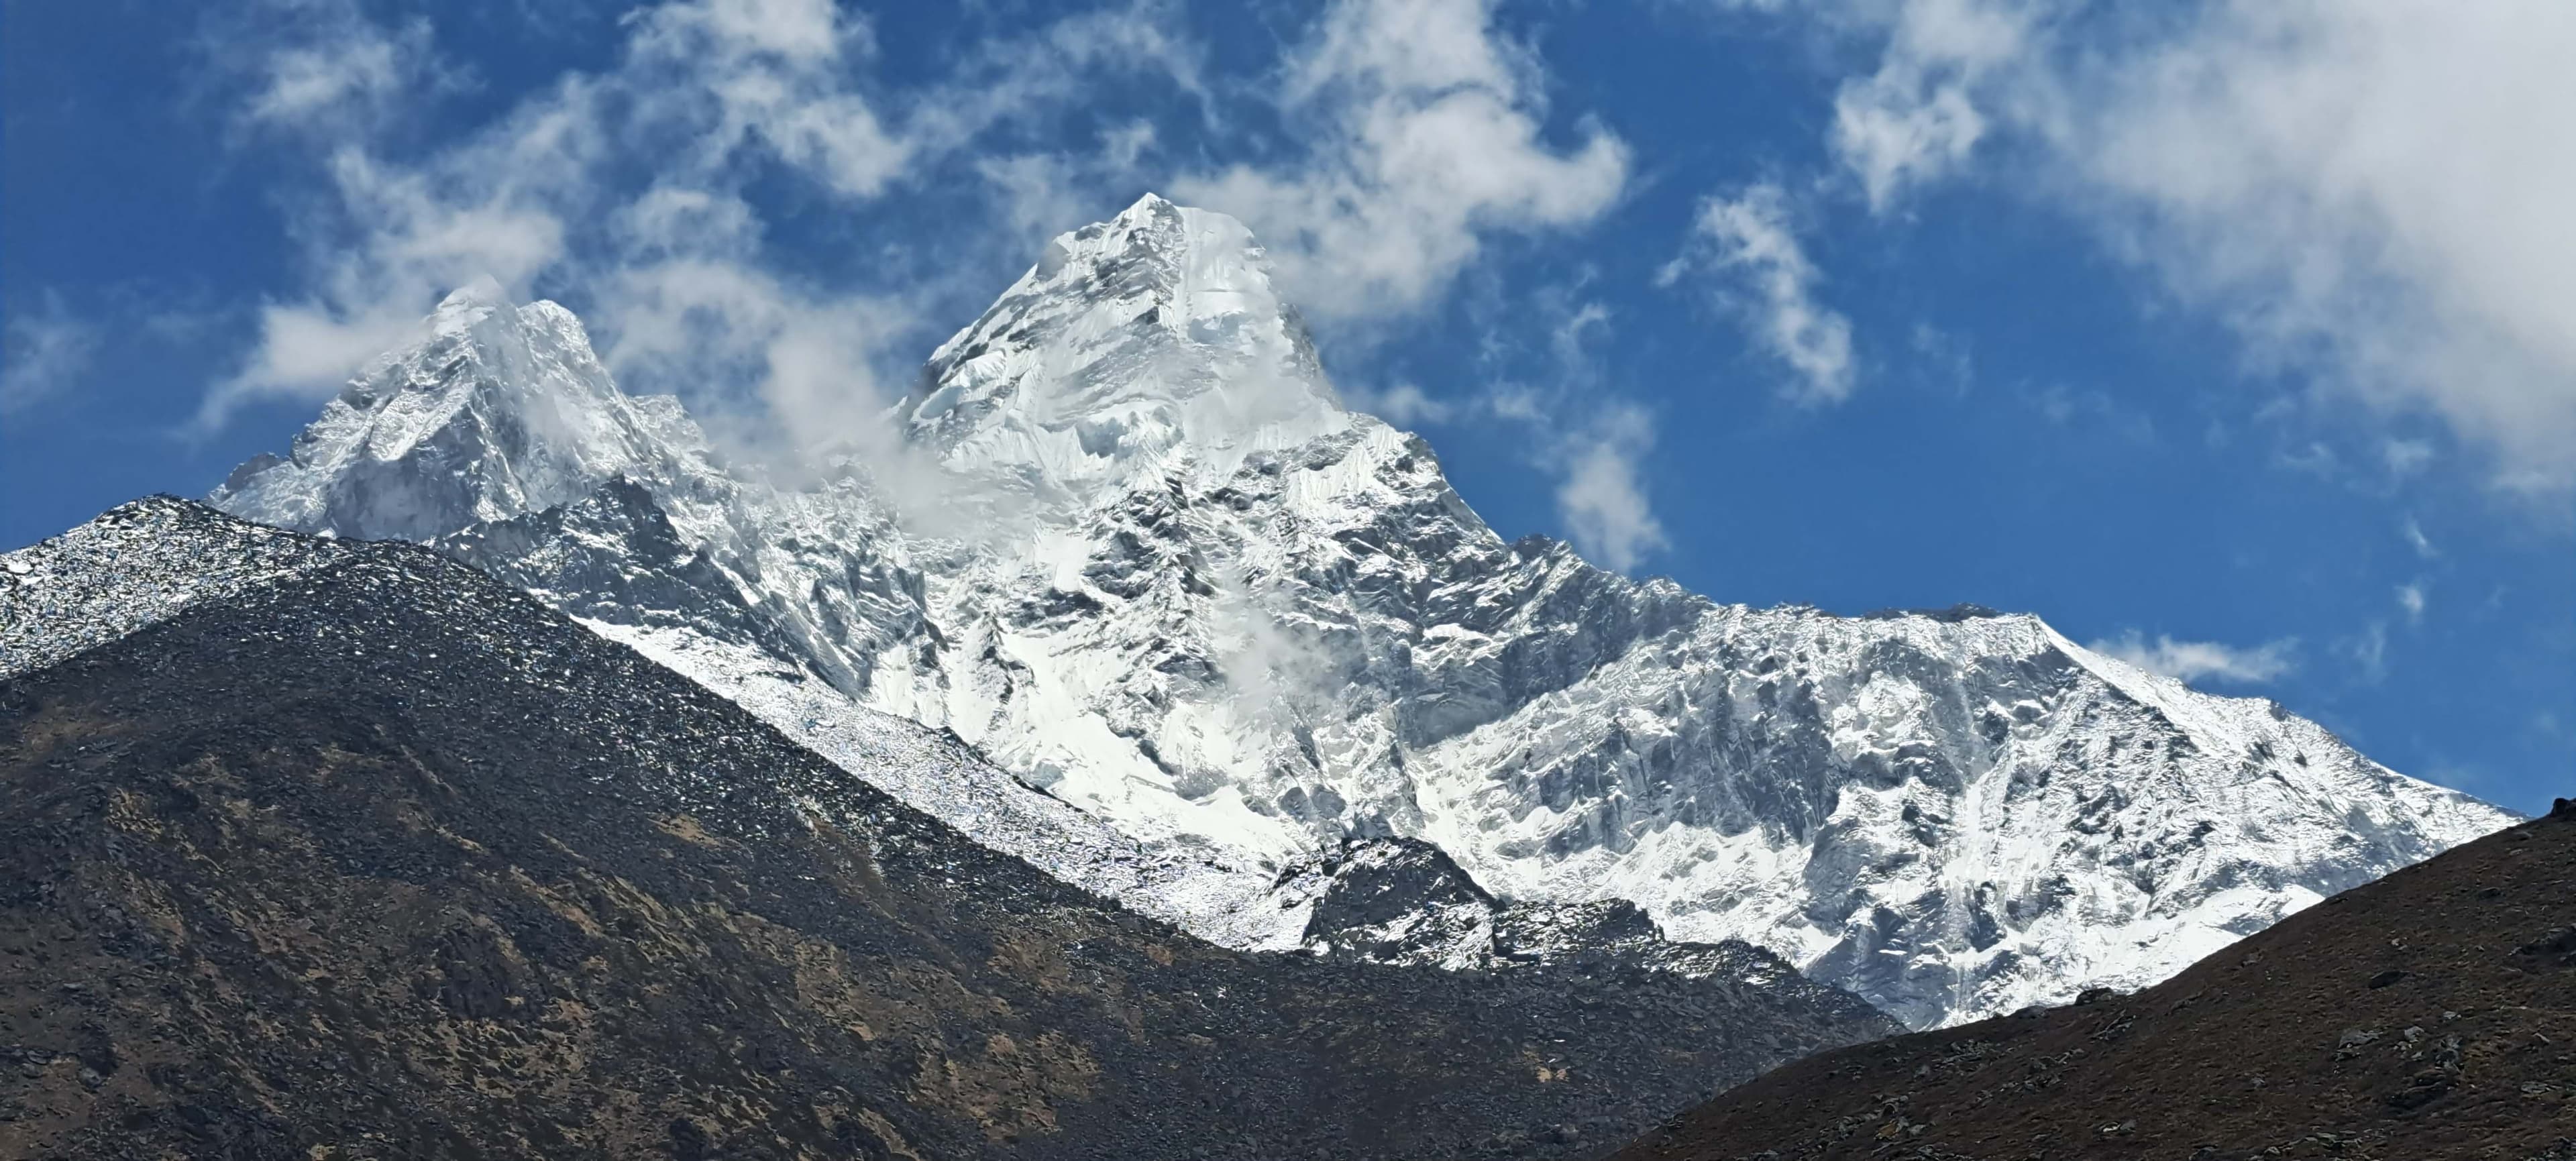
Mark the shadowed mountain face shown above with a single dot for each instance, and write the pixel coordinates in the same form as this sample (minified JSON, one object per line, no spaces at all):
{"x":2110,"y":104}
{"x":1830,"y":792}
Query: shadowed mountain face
{"x":2429,"y":1015}
{"x":381,"y":857}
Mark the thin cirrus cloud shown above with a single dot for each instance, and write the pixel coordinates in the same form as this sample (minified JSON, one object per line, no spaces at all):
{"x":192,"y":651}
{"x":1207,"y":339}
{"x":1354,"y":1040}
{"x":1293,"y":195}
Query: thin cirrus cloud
{"x":2353,"y":189}
{"x":2192,"y":661}
{"x":1743,"y":249}
{"x":47,"y":349}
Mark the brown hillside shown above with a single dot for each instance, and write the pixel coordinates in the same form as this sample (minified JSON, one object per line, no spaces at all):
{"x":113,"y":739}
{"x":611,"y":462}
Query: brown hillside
{"x":2429,"y":1015}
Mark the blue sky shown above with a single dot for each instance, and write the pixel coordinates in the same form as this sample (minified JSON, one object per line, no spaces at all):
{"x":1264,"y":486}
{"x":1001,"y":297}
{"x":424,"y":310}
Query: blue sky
{"x":2231,"y":337}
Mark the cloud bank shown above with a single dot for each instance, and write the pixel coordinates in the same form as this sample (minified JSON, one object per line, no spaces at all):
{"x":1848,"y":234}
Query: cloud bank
{"x":2365,"y":193}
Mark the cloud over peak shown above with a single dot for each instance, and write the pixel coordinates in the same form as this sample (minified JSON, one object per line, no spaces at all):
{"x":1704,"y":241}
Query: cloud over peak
{"x":2191,"y":661}
{"x":1420,"y":129}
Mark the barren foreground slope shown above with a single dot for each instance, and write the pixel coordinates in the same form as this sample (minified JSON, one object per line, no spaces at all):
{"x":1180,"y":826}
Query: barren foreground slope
{"x":2429,"y":1015}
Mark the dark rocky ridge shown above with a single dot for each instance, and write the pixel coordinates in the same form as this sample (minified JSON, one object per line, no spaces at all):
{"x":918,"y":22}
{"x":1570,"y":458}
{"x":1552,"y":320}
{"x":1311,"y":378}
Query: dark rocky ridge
{"x":387,"y":859}
{"x":1405,"y":901}
{"x":2426,"y":1016}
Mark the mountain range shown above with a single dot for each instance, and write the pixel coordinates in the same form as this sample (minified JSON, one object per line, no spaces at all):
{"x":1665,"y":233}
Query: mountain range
{"x":1182,"y":627}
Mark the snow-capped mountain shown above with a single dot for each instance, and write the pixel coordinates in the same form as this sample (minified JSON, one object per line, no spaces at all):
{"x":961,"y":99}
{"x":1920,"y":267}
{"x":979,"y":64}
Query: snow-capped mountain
{"x":1162,"y":575}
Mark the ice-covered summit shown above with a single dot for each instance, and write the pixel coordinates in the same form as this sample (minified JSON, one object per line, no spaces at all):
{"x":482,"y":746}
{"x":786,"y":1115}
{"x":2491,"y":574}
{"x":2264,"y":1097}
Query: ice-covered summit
{"x":1153,"y":336}
{"x":493,"y":410}
{"x":1242,"y":625}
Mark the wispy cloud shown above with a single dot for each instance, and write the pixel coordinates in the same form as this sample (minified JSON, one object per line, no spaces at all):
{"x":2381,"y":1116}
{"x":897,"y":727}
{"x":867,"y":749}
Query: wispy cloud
{"x":1759,"y":271}
{"x":2355,"y":189}
{"x":1419,"y":127}
{"x":2410,"y":597}
{"x":1402,"y":404}
{"x":322,"y":68}
{"x":2368,"y":651}
{"x":47,"y":350}
{"x":1916,"y":117}
{"x":1593,"y":439}
{"x":2203,"y":660}
{"x":2415,"y":538}
{"x":1550,"y":394}
{"x":1600,"y":494}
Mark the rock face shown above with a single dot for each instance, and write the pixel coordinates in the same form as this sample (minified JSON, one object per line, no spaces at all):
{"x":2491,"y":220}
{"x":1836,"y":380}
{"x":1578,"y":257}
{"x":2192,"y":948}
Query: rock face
{"x":2429,"y":1015}
{"x":1135,"y":551}
{"x":1403,"y":901}
{"x":360,"y":851}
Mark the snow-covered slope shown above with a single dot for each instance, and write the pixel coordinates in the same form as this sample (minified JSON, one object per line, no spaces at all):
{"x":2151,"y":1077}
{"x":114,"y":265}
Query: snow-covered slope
{"x":1175,"y":584}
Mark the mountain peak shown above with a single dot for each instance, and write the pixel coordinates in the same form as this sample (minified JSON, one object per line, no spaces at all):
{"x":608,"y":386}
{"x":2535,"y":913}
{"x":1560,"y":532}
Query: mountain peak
{"x":1150,"y":205}
{"x":1197,"y":267}
{"x":496,"y":410}
{"x":1156,"y":331}
{"x":482,"y":293}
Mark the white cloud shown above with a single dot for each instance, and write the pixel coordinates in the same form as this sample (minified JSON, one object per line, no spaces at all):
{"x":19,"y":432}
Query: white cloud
{"x":777,"y":72}
{"x":2199,"y":660}
{"x":1040,"y":195}
{"x":1600,"y":497}
{"x":1057,"y":66}
{"x":2405,"y":457}
{"x":394,"y":242}
{"x":2369,"y":653}
{"x":800,"y":31}
{"x":2365,"y":191}
{"x":2411,"y":599}
{"x":1913,"y":119}
{"x":1593,"y":442}
{"x":46,"y":350}
{"x":325,"y":68}
{"x":762,"y":355}
{"x":1402,"y":404}
{"x":1746,"y":244}
{"x":2416,"y":539}
{"x":1421,"y":128}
